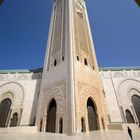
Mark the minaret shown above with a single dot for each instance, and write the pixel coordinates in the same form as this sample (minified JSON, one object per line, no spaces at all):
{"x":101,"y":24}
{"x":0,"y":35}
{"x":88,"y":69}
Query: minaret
{"x":71,"y":98}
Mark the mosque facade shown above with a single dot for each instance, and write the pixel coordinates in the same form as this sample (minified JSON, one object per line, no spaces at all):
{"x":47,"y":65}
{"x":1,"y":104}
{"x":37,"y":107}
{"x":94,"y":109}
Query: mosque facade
{"x":71,"y":94}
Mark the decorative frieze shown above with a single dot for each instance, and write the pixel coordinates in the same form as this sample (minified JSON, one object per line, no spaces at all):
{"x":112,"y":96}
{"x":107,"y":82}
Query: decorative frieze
{"x":124,"y":90}
{"x":84,"y":92}
{"x":120,"y":74}
{"x":16,"y":90}
{"x":56,"y":93}
{"x":16,"y":76}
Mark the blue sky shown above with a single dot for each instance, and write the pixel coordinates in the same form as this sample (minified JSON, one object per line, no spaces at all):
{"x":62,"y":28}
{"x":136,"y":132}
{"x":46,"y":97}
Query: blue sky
{"x":115,"y":26}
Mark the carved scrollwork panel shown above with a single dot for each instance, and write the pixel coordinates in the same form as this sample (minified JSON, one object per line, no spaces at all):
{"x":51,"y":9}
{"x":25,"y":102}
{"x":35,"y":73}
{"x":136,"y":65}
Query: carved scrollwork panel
{"x":16,"y":90}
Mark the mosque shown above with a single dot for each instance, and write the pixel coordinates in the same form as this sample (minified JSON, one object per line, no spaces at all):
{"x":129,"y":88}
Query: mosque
{"x":70,"y":94}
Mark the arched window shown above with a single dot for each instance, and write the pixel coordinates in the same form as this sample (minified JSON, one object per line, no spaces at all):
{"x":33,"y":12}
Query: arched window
{"x":60,"y":125}
{"x":129,"y":117}
{"x":51,"y":117}
{"x":55,"y":62}
{"x":62,"y":58}
{"x":136,"y":104}
{"x":78,"y":58}
{"x":5,"y":106}
{"x":85,"y":61}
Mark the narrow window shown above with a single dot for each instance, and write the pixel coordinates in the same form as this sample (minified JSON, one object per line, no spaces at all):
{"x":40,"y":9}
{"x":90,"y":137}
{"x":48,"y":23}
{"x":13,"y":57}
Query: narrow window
{"x":62,"y":58}
{"x":104,"y":93}
{"x":47,"y":68}
{"x":61,"y":125}
{"x":41,"y":122}
{"x":55,"y":62}
{"x":78,"y":58}
{"x":85,"y":62}
{"x":83,"y":125}
{"x":103,"y":124}
{"x":80,"y":15}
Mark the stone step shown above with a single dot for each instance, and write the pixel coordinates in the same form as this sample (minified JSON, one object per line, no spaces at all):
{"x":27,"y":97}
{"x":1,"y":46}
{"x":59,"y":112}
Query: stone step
{"x":19,"y":129}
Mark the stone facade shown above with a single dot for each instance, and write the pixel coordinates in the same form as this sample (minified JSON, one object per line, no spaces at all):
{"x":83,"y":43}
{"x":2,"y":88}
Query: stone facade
{"x":23,"y":90}
{"x":70,"y":95}
{"x":120,"y":86}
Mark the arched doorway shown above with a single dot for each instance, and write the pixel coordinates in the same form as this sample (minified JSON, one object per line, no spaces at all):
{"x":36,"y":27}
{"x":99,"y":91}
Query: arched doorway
{"x":51,"y":117}
{"x":5,"y":106}
{"x":129,"y":117}
{"x":92,"y":115}
{"x":136,"y":104}
{"x":14,"y":120}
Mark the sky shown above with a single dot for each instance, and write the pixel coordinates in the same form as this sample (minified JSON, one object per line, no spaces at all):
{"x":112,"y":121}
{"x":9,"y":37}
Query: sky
{"x":24,"y":24}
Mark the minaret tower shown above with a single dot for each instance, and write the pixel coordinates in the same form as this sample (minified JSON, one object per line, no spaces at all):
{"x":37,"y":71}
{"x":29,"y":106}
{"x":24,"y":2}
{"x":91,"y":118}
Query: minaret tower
{"x":71,"y":99}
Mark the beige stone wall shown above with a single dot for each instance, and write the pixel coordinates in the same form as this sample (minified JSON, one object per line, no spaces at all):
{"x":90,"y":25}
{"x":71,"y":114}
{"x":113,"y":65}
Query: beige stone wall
{"x":87,"y":85}
{"x":22,"y":90}
{"x":83,"y":45}
{"x":86,"y":75}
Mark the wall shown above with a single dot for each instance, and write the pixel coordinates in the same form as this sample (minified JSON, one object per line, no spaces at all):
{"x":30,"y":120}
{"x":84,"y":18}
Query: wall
{"x":118,"y":85}
{"x":23,"y":90}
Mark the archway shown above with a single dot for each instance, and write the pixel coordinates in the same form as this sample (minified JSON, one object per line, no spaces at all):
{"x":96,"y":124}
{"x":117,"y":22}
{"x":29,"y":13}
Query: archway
{"x":129,"y":117}
{"x":136,"y":104}
{"x":14,"y":120}
{"x":92,"y":115}
{"x":51,"y":117}
{"x":5,"y":106}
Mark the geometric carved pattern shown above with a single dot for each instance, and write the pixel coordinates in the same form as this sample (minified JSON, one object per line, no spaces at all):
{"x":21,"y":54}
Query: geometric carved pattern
{"x":119,"y":75}
{"x":84,"y":94}
{"x":138,"y":74}
{"x":1,"y":77}
{"x":23,"y":77}
{"x":83,"y":46}
{"x":57,"y":42}
{"x":16,"y":90}
{"x":17,"y":76}
{"x":124,"y":90}
{"x":57,"y":94}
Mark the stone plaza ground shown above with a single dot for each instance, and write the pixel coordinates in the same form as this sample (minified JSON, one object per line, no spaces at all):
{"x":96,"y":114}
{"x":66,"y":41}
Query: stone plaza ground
{"x":96,"y":135}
